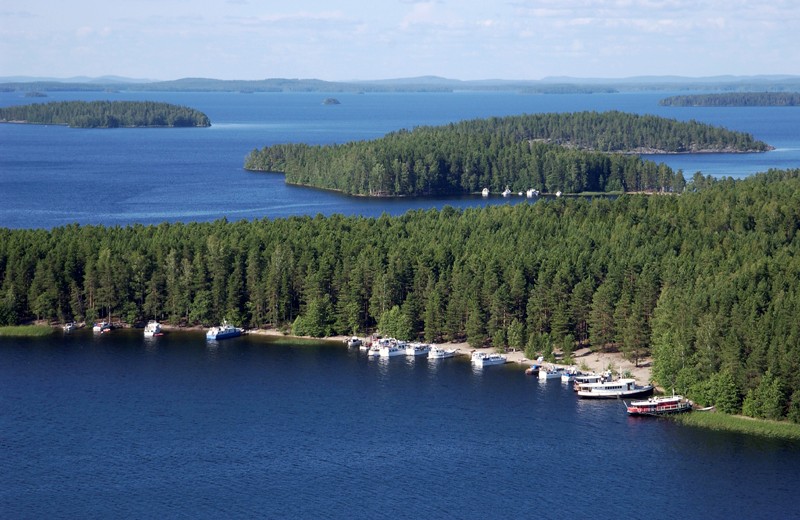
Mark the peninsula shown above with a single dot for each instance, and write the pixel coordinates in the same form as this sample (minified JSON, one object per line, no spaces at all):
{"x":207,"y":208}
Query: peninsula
{"x":567,"y":152}
{"x":735,"y":99}
{"x":105,"y":114}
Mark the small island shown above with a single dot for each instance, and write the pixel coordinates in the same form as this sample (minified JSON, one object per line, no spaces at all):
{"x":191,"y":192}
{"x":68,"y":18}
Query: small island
{"x":105,"y":114}
{"x":551,"y":153}
{"x":331,"y":101}
{"x":735,"y":99}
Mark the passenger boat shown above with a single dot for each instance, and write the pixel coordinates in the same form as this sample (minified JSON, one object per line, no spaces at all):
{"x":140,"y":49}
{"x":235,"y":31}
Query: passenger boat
{"x":483,"y":359}
{"x":582,"y":379}
{"x":614,"y":389}
{"x":224,"y":331}
{"x":659,"y":406}
{"x":440,"y":353}
{"x":353,"y":342}
{"x":417,"y":349}
{"x":153,"y":328}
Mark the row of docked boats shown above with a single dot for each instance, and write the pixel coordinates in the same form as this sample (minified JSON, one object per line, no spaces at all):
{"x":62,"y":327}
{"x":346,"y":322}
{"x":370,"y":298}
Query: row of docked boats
{"x":604,"y":386}
{"x":390,"y":347}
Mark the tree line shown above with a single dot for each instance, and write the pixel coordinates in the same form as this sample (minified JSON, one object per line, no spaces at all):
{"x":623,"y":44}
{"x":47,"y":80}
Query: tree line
{"x":105,"y":114}
{"x":568,"y":152}
{"x":735,"y":99}
{"x":707,"y":282}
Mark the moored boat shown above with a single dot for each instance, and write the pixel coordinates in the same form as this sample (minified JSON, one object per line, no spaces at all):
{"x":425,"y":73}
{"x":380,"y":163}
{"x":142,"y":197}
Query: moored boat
{"x":441,"y":353}
{"x":582,"y":379}
{"x":101,"y":327}
{"x":69,"y":326}
{"x":506,"y":192}
{"x":485,"y":192}
{"x":483,"y":359}
{"x":353,"y":342}
{"x":417,"y":349}
{"x":664,"y":405}
{"x":551,"y":372}
{"x":224,"y":331}
{"x":614,"y":389}
{"x":153,"y":328}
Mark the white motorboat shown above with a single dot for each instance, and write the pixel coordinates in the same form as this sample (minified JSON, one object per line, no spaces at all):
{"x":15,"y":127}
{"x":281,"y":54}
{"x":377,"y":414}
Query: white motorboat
{"x":153,"y":328}
{"x":506,"y":192}
{"x":69,"y":326}
{"x":614,"y":389}
{"x":417,"y":349}
{"x":224,"y":331}
{"x":551,"y":372}
{"x":483,"y":359}
{"x":441,"y":353}
{"x":392,"y":350}
{"x":354,"y":342}
{"x":485,"y":192}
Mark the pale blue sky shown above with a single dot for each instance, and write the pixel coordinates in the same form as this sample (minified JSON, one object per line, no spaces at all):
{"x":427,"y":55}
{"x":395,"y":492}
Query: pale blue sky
{"x":377,"y":39}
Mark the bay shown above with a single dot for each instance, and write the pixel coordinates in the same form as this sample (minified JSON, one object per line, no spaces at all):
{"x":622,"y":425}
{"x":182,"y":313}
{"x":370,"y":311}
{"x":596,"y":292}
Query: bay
{"x":52,"y":176}
{"x":117,"y":426}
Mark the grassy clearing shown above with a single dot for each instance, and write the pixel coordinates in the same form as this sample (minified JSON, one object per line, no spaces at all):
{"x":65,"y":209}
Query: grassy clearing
{"x":737,"y":423}
{"x":29,"y":331}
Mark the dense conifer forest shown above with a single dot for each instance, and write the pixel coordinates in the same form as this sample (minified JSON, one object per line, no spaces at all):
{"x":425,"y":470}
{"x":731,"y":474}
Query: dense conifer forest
{"x":735,"y":99}
{"x":568,"y":152}
{"x":707,"y":282}
{"x":105,"y":114}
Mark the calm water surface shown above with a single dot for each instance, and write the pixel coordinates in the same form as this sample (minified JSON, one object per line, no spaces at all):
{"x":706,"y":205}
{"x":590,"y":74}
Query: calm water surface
{"x":115,"y":426}
{"x":52,"y":176}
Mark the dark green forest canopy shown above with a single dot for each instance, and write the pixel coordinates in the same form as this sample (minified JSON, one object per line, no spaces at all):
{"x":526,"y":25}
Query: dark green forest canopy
{"x":105,"y":114}
{"x":735,"y":99}
{"x":707,"y":282}
{"x":568,"y":152}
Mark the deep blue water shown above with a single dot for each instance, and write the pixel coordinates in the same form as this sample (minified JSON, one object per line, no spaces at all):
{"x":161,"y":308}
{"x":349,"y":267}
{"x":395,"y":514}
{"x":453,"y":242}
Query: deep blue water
{"x":52,"y":176}
{"x":118,"y":427}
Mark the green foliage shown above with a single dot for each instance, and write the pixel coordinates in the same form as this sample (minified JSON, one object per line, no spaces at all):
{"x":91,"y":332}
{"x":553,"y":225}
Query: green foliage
{"x":568,"y":152}
{"x":25,"y":331}
{"x":766,"y":400}
{"x":395,"y":323}
{"x":104,"y":114}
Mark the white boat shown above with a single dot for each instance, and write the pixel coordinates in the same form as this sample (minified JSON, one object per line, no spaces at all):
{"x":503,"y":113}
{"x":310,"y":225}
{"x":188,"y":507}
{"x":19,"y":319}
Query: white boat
{"x":393,"y":349}
{"x":224,"y":331}
{"x":417,"y":349}
{"x":531,"y":193}
{"x":485,"y":192}
{"x":558,"y":194}
{"x":483,"y":359}
{"x":582,"y":379}
{"x":69,"y":326}
{"x":614,"y":389}
{"x":659,"y":406}
{"x":374,"y":350}
{"x":153,"y":328}
{"x":506,"y":192}
{"x":569,"y":374}
{"x":353,"y":342}
{"x":551,"y":372}
{"x":441,"y":353}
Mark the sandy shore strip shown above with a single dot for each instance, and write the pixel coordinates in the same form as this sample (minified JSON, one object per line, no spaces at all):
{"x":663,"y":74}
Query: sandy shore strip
{"x":593,"y":361}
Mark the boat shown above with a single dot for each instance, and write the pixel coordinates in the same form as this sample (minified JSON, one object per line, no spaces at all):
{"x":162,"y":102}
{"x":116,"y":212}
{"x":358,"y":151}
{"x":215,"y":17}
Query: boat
{"x":532,"y":193}
{"x":101,"y":327}
{"x":417,"y":349}
{"x":506,"y":192}
{"x":441,"y":353}
{"x":659,"y":406}
{"x":353,"y":342}
{"x":582,"y":379}
{"x":224,"y":331}
{"x":558,"y":194}
{"x":393,"y":349}
{"x":569,"y":374}
{"x":614,"y":389}
{"x":69,"y":326}
{"x":533,"y":370}
{"x":551,"y":372}
{"x":374,"y":350}
{"x":485,"y":192}
{"x":483,"y":359}
{"x":153,"y":328}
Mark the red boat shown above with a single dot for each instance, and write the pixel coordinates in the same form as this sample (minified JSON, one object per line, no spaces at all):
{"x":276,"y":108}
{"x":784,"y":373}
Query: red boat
{"x":659,"y":406}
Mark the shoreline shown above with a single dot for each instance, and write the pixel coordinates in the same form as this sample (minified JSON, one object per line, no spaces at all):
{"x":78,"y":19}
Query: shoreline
{"x":595,"y":361}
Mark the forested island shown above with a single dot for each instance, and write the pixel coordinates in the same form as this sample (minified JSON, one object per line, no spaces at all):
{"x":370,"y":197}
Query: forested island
{"x":568,"y":152}
{"x":735,"y":99}
{"x":707,"y":282}
{"x":105,"y":114}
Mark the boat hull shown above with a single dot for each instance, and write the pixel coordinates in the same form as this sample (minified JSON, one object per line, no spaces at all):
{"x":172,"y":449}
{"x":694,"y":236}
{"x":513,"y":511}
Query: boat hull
{"x":612,"y":394}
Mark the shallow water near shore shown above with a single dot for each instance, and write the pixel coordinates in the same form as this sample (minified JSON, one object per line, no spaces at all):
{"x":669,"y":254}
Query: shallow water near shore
{"x":116,"y":426}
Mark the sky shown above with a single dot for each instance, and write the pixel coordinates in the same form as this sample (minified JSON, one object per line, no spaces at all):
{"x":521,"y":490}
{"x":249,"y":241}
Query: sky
{"x":380,"y":39}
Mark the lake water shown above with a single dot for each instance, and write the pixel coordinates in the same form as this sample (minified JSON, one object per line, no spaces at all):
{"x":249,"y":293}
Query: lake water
{"x":52,"y":176}
{"x":115,"y":426}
